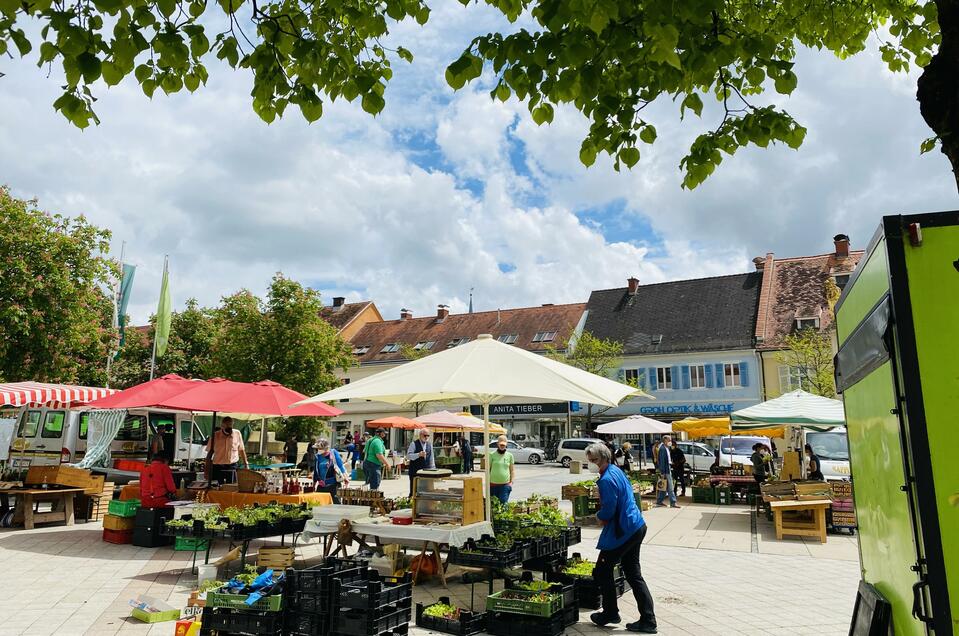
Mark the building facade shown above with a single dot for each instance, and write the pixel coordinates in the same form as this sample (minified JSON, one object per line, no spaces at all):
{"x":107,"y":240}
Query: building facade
{"x":794,"y":297}
{"x":379,"y":346}
{"x":349,"y":318}
{"x":689,"y":344}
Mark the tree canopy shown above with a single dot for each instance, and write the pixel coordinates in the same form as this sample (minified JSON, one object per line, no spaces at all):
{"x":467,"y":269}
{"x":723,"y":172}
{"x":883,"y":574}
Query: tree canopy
{"x":55,"y":320}
{"x":609,"y":59}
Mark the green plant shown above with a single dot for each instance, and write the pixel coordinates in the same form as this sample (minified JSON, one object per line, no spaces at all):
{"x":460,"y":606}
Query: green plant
{"x":442,"y":610}
{"x":533,"y":586}
{"x":580,"y":568}
{"x":210,"y":584}
{"x":541,"y":597}
{"x":586,"y":483}
{"x":179,"y":523}
{"x":248,"y":575}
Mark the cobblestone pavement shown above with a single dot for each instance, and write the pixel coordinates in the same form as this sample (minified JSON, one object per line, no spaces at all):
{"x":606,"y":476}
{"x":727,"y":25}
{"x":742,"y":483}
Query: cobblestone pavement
{"x":708,"y":571}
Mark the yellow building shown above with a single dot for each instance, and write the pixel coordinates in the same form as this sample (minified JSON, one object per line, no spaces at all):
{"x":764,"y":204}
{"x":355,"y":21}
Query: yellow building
{"x":793,"y":297}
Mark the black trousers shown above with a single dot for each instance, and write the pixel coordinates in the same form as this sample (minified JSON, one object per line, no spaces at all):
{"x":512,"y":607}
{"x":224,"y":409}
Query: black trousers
{"x":627,"y":555}
{"x":330,"y":488}
{"x":223,"y":473}
{"x":467,"y":463}
{"x":679,"y":479}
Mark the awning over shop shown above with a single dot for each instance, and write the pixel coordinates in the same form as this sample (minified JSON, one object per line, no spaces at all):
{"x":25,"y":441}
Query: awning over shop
{"x":59,"y":395}
{"x":797,"y":408}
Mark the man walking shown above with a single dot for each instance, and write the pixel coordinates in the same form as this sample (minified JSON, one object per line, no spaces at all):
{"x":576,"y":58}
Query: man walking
{"x":375,"y":459}
{"x":664,"y":468}
{"x":420,"y":455}
{"x":623,"y":532}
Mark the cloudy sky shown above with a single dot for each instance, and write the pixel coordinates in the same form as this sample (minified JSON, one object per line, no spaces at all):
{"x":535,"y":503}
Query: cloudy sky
{"x":445,"y":192}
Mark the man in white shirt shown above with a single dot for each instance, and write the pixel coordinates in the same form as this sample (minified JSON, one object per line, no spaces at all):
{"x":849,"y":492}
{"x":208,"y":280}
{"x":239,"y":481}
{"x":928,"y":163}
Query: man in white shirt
{"x":420,"y":455}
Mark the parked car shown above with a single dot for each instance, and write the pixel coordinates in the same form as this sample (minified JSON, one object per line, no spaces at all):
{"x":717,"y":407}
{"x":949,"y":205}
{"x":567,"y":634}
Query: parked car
{"x":521,"y":454}
{"x":574,"y":449}
{"x":738,"y":449}
{"x":699,"y":456}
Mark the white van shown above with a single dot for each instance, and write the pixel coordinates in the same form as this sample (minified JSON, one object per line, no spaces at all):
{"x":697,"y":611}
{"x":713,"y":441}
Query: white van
{"x":574,"y":449}
{"x":832,"y":448}
{"x":47,"y":436}
{"x":738,"y":449}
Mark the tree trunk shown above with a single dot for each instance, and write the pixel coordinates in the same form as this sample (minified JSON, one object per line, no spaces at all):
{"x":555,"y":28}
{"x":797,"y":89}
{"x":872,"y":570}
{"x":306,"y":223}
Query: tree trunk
{"x":938,"y":86}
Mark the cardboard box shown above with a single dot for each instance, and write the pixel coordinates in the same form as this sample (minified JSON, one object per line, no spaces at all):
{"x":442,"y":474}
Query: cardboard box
{"x":187,"y":627}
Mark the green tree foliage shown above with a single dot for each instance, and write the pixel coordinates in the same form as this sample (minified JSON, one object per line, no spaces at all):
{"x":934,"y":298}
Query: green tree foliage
{"x":609,"y":59}
{"x":281,"y":339}
{"x":55,"y":320}
{"x":595,"y":355}
{"x":810,"y":351}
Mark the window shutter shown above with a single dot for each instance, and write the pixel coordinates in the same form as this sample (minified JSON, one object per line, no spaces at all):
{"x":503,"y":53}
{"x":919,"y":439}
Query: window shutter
{"x":720,"y":376}
{"x":641,"y":378}
{"x":685,"y":376}
{"x":621,"y":375}
{"x":651,"y":372}
{"x":676,"y":378}
{"x":709,"y":376}
{"x":744,"y":373}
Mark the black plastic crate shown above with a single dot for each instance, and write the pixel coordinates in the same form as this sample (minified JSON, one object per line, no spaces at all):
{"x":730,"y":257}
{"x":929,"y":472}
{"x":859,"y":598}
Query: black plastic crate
{"x":363,"y":622}
{"x":468,"y":623}
{"x":150,"y":537}
{"x":374,"y":592}
{"x":222,"y":621}
{"x":545,"y":563}
{"x":311,"y":589}
{"x":152,"y":517}
{"x":587,"y":592}
{"x":506,"y":624}
{"x":572,"y":535}
{"x":488,"y":557}
{"x":568,"y":591}
{"x":299,"y":623}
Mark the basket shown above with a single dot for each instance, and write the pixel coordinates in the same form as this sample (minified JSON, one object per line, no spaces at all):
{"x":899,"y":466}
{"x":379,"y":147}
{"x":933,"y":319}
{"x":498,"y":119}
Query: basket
{"x":467,"y":624}
{"x":247,"y":479}
{"x":117,"y":536}
{"x":190,"y":544}
{"x":272,"y":603}
{"x":496,"y":603}
{"x":126,"y":508}
{"x":375,"y":592}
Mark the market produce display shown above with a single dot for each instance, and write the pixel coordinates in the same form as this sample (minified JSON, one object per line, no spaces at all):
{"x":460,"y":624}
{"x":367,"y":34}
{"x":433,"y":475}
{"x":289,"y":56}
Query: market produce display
{"x":240,"y":522}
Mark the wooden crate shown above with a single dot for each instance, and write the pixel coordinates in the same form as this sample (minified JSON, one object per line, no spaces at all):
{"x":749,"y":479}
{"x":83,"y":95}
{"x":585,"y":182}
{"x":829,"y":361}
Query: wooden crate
{"x":277,"y":558}
{"x":572,"y":492}
{"x":63,"y":475}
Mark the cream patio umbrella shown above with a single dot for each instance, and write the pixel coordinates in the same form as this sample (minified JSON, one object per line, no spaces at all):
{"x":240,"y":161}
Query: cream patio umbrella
{"x":486,"y":371}
{"x":457,"y":422}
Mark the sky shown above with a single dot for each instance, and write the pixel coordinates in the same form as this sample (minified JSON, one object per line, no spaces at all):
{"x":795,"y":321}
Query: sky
{"x":446,"y":191}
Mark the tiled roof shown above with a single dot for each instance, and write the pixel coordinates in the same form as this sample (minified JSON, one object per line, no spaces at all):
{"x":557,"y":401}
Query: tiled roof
{"x":797,"y":290}
{"x":524,"y":323}
{"x":340,"y":317}
{"x":704,"y":314}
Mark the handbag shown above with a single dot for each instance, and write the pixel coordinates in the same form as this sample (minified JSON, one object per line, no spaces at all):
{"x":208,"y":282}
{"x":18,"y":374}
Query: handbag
{"x":661,"y":484}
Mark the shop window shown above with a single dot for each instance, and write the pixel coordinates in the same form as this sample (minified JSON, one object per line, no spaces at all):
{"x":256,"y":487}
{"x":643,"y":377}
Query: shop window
{"x":29,"y":424}
{"x":733,"y":374}
{"x":508,"y":338}
{"x":697,"y":376}
{"x":53,"y":424}
{"x":631,"y":376}
{"x":390,"y":347}
{"x":664,"y":378}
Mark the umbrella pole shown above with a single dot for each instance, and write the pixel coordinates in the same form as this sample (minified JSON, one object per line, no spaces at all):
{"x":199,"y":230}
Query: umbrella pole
{"x":487,"y":456}
{"x":262,"y":436}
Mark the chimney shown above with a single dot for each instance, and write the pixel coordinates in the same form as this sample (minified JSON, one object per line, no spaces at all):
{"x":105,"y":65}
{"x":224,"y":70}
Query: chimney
{"x":338,"y":301}
{"x":760,"y":263}
{"x":632,"y":284}
{"x":841,"y":242}
{"x":442,"y":311}
{"x":405,"y":314}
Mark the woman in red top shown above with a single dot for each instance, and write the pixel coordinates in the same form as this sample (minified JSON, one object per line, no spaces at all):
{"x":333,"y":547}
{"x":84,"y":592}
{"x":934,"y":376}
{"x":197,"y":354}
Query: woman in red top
{"x":156,"y":484}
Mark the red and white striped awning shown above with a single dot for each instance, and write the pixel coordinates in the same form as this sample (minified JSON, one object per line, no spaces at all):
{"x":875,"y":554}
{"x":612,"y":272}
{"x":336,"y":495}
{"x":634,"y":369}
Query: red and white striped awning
{"x":59,"y":395}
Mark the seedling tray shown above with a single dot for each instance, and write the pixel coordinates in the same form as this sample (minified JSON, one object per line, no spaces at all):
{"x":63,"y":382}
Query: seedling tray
{"x":496,"y":603}
{"x":468,"y":623}
{"x":506,"y":624}
{"x":229,"y":621}
{"x":273,"y":603}
{"x":357,"y":622}
{"x":568,"y":591}
{"x":126,"y":508}
{"x":306,"y":623}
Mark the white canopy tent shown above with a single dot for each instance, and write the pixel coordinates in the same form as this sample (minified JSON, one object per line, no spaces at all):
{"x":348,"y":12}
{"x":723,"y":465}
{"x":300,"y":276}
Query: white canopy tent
{"x":797,"y":408}
{"x":635,"y":425}
{"x":485,"y":371}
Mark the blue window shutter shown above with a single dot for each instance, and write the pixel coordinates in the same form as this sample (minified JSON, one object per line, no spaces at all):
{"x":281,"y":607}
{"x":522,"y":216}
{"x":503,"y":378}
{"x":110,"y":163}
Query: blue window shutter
{"x":641,"y":378}
{"x":651,"y":372}
{"x":744,"y":373}
{"x":720,"y":376}
{"x":709,"y":376}
{"x":685,"y":376}
{"x":676,"y":378}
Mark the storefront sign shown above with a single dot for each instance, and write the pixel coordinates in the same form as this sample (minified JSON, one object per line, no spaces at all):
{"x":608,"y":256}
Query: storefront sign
{"x":709,"y":408}
{"x":538,"y":409}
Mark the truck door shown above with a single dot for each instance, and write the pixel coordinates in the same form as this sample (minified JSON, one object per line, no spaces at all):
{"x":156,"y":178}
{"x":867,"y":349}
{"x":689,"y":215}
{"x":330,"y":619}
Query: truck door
{"x":23,"y":450}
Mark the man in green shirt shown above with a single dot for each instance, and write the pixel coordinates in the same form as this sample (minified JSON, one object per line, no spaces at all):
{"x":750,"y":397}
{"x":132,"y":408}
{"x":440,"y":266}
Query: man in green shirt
{"x":374,"y":459}
{"x":501,"y":471}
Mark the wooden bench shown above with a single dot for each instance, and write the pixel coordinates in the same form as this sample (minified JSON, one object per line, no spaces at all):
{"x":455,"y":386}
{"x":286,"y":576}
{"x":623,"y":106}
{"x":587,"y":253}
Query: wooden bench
{"x":27,"y":499}
{"x":795,"y":524}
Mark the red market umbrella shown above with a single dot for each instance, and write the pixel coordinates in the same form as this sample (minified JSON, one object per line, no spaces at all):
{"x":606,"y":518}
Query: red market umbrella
{"x":148,"y":394}
{"x":396,"y":421}
{"x":264,"y":398}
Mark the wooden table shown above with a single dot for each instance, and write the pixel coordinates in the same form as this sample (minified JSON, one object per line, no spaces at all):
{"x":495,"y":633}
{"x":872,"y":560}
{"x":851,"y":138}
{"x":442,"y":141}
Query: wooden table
{"x":226,"y":499}
{"x":28,"y":498}
{"x":814,"y":527}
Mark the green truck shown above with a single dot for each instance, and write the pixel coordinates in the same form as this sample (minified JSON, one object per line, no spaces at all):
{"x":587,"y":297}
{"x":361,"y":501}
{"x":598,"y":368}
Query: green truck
{"x":898,"y":372}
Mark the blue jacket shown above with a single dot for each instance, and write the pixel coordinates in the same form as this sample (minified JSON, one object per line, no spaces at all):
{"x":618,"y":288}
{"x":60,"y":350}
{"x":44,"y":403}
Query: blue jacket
{"x":617,"y":508}
{"x":662,"y":461}
{"x":322,"y":466}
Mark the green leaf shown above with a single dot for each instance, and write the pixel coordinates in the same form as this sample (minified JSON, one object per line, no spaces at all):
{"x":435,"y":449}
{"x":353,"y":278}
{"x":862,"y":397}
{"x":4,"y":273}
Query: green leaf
{"x":692,"y":102}
{"x":373,"y":103}
{"x":423,"y":15}
{"x":23,"y":44}
{"x":404,"y":54}
{"x":543,"y":114}
{"x":111,"y":73}
{"x":648,"y":134}
{"x":503,"y":92}
{"x":191,"y":81}
{"x":928,"y":145}
{"x":89,"y":66}
{"x":587,"y":153}
{"x":629,"y":156}
{"x":142,"y":72}
{"x":167,"y":7}
{"x":786,"y":83}
{"x":312,"y":109}
{"x":149,"y":87}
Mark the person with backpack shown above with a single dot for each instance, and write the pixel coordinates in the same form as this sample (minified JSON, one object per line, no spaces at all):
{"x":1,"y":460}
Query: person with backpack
{"x":420,"y":455}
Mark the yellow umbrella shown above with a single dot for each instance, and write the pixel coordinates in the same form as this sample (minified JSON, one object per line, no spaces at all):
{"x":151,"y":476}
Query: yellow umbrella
{"x":708,"y":426}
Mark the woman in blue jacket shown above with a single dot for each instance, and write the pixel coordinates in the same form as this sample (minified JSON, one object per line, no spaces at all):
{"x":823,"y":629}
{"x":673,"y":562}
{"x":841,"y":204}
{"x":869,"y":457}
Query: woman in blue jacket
{"x":619,"y":542}
{"x":328,"y":466}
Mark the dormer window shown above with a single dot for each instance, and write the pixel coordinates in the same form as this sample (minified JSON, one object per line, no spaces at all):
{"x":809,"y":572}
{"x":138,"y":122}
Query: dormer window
{"x":841,"y":280}
{"x":807,"y":323}
{"x":360,"y":350}
{"x":390,"y":347}
{"x":455,"y":342}
{"x":424,"y":345}
{"x":544,"y":336}
{"x":508,"y":338}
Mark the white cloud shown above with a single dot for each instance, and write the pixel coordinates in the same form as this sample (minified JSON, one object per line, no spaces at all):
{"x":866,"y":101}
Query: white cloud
{"x":348,"y":205}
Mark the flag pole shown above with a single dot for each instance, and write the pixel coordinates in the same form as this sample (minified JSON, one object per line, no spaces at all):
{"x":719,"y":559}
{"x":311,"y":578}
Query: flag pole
{"x":153,"y":357}
{"x":114,"y":337}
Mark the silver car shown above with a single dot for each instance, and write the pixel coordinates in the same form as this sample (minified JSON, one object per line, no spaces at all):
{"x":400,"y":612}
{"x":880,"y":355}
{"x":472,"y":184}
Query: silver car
{"x":521,"y":454}
{"x":699,"y":457}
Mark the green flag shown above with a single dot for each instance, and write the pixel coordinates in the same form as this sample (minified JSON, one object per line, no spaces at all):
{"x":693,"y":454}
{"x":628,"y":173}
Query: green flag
{"x":163,"y":313}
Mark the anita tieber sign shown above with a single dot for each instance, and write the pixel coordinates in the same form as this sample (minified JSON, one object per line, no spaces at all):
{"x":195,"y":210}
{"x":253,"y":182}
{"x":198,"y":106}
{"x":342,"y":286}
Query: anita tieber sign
{"x":539,"y":409}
